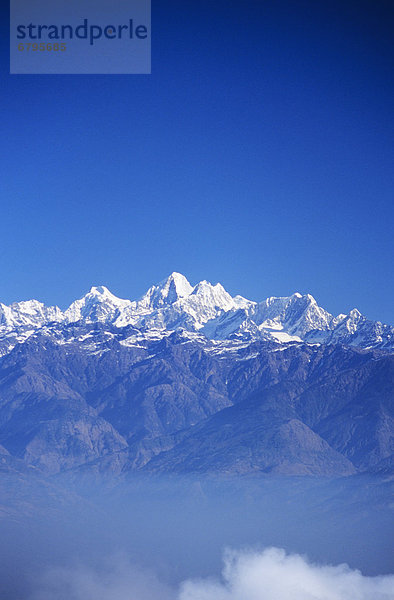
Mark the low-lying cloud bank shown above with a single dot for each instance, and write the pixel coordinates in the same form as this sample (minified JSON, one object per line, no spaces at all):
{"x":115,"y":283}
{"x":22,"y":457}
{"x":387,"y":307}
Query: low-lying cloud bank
{"x":275,"y":575}
{"x":268,"y":575}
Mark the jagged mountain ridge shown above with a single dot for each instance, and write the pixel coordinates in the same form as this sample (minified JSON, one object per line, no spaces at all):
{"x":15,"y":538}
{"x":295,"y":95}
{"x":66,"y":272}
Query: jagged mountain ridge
{"x":190,"y":379}
{"x":205,"y":308}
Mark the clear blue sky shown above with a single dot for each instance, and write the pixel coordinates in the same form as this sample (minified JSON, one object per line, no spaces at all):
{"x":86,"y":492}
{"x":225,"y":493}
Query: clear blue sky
{"x":259,"y":154}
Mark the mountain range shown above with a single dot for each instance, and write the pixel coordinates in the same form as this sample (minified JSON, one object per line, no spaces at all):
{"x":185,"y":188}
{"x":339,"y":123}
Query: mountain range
{"x":207,"y":309}
{"x":189,"y":379}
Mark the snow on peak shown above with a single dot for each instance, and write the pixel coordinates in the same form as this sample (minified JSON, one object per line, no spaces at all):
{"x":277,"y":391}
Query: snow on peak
{"x":213,"y":295}
{"x":352,"y":320}
{"x":311,"y":299}
{"x":176,"y":286}
{"x":296,"y":314}
{"x":28,"y":313}
{"x":99,"y":304}
{"x":207,"y":308}
{"x":166,"y":292}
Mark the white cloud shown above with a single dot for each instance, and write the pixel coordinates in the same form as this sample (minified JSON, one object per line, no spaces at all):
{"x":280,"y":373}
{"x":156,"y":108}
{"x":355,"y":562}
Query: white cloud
{"x":275,"y":575}
{"x":268,"y":575}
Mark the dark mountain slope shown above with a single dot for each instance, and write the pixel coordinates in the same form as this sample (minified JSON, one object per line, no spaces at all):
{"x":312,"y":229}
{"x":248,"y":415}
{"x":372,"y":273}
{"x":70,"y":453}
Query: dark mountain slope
{"x":177,"y":403}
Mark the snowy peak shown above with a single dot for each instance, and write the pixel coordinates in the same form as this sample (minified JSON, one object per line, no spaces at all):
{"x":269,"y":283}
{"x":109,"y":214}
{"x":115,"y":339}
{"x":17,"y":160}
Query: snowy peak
{"x":205,"y":302}
{"x":166,"y":292}
{"x":30,"y":313}
{"x":205,"y":308}
{"x":176,"y":303}
{"x":99,"y":304}
{"x":297,"y":314}
{"x":213,"y":296}
{"x":303,"y":314}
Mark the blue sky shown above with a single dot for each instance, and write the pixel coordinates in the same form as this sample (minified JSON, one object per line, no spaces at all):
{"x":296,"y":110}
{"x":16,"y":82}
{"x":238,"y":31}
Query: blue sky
{"x":258,"y":153}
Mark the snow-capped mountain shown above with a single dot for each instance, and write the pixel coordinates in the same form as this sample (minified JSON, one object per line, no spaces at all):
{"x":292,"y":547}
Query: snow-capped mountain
{"x":167,"y":292}
{"x":99,"y":305}
{"x":205,"y":309}
{"x":189,"y":378}
{"x":30,"y":313}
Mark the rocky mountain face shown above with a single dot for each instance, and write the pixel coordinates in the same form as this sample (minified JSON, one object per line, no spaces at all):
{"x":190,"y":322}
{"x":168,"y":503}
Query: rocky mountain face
{"x":189,"y":379}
